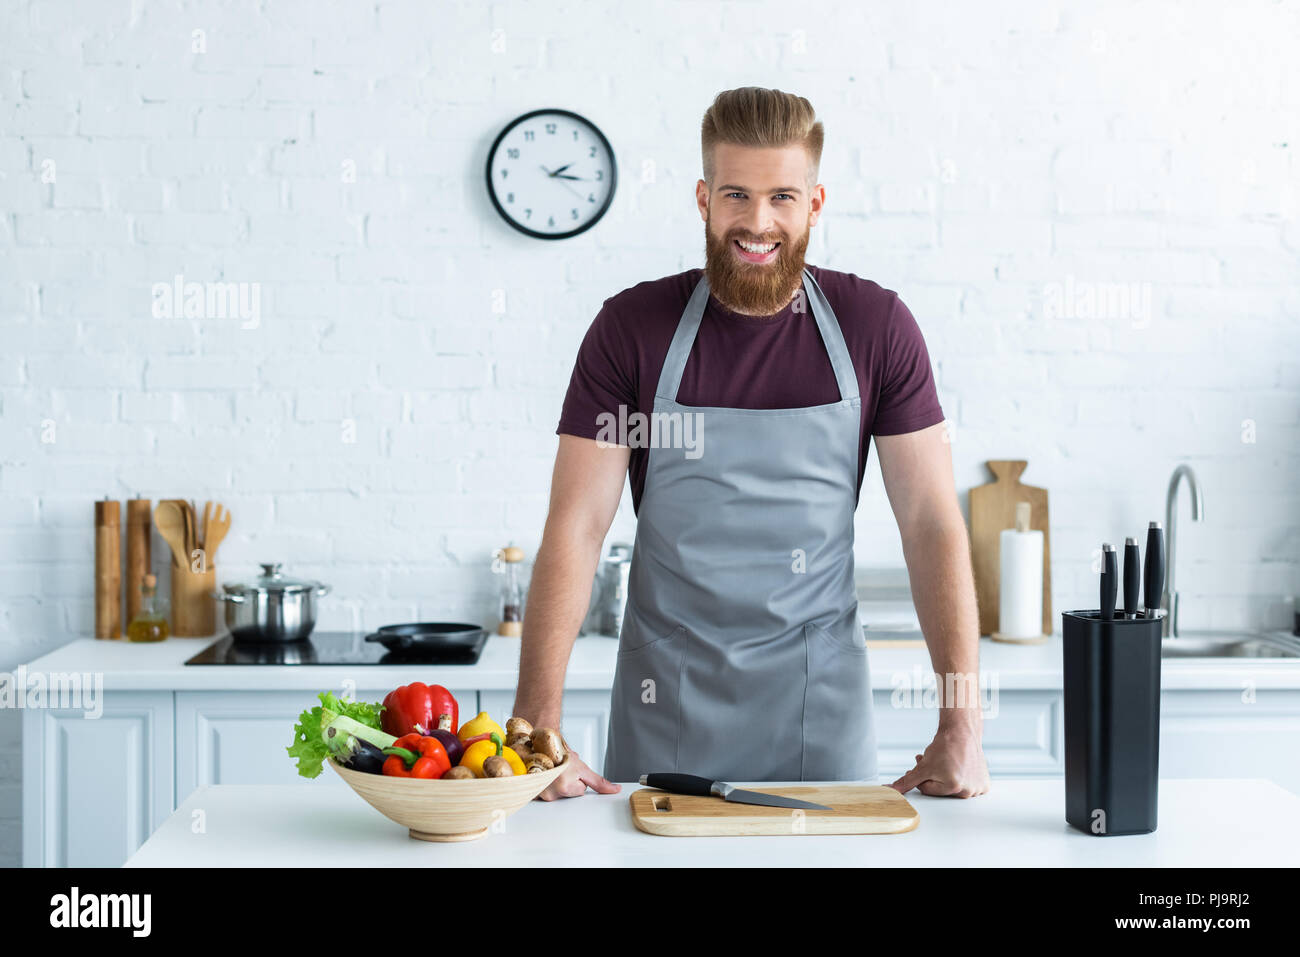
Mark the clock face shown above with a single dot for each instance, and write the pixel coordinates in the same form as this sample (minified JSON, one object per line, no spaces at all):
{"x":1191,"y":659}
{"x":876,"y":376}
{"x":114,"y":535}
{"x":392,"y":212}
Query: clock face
{"x":551,"y":174}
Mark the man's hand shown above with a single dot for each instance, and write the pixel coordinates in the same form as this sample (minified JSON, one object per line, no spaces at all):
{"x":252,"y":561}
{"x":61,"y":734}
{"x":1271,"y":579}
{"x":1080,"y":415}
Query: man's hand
{"x":952,"y":766}
{"x":575,"y":779}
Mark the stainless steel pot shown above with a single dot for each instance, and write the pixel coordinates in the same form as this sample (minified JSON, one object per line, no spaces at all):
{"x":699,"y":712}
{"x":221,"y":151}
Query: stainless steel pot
{"x":271,"y":609}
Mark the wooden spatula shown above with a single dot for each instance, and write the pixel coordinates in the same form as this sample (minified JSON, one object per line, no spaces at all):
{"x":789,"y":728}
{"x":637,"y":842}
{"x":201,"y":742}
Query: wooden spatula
{"x":169,"y":517}
{"x":214,"y":529}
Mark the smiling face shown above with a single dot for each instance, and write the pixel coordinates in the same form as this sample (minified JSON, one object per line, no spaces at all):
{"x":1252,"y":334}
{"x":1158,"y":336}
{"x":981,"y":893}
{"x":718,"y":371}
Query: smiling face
{"x":758,"y":213}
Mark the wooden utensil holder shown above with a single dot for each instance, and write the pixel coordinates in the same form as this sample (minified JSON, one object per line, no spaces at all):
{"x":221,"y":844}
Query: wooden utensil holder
{"x":194,"y":610}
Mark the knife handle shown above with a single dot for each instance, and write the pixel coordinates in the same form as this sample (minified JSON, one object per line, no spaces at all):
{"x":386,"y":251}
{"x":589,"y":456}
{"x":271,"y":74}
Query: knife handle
{"x":1132,"y":577}
{"x":1109,"y":577}
{"x":679,"y":783}
{"x":1153,"y":570}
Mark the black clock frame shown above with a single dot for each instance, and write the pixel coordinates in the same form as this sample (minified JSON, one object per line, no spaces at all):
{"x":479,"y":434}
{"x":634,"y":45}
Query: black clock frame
{"x":613,"y":175}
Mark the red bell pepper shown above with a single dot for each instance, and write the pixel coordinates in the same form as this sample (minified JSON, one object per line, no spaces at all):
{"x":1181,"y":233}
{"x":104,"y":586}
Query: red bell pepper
{"x":416,"y":708}
{"x":416,"y":756}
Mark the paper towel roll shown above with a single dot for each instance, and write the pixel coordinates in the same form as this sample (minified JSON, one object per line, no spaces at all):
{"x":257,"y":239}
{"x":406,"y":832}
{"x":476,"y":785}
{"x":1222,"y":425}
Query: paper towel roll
{"x":1020,"y":613}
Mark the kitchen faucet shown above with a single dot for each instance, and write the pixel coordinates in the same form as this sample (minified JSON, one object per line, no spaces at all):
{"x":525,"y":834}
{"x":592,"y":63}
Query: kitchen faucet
{"x":1169,"y":600}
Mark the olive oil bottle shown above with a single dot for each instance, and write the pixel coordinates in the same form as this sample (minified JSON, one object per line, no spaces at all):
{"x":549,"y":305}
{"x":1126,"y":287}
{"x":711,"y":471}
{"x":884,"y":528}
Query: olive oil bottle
{"x":150,"y":624}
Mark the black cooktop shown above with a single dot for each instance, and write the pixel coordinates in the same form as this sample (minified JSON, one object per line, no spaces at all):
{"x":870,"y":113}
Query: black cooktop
{"x":328,"y":648}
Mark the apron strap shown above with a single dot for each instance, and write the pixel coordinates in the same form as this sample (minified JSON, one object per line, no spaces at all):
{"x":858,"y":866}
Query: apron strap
{"x":670,"y":376}
{"x":832,"y":338}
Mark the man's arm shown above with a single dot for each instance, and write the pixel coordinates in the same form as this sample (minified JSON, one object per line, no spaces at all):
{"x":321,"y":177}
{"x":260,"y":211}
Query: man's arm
{"x":585,"y":489}
{"x":917,"y":470}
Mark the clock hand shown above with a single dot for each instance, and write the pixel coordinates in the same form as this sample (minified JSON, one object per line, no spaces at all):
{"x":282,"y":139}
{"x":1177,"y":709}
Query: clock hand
{"x":572,"y":190}
{"x":562,"y":169}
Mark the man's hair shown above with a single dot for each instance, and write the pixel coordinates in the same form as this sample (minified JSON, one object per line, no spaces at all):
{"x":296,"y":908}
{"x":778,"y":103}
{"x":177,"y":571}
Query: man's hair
{"x":753,"y":116}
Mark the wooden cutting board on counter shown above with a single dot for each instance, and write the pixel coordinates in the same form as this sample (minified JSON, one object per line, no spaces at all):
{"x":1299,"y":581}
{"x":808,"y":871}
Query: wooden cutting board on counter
{"x":855,"y":809}
{"x":993,"y":508}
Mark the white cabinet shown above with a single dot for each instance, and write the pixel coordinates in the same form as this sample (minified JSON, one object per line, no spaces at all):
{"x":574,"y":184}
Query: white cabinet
{"x":95,"y":787}
{"x":1023,"y":735}
{"x":584,"y":719}
{"x":241,"y":737}
{"x":1231,"y":734}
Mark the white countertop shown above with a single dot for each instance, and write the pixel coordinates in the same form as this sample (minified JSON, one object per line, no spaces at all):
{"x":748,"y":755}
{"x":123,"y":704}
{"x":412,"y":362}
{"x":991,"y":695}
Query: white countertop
{"x":1021,"y":822}
{"x":152,"y":667}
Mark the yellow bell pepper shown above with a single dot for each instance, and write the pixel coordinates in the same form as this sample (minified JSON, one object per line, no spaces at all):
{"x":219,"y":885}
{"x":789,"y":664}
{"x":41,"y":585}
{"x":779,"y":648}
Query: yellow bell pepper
{"x":480,"y":724}
{"x":480,"y":751}
{"x":516,"y":762}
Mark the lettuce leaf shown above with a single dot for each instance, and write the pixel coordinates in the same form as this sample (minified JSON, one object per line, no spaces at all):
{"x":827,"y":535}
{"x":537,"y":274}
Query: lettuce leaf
{"x":308,"y":746}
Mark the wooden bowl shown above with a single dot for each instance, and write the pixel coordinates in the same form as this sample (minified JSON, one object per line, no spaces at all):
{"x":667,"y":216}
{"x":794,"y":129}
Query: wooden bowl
{"x":447,"y":810}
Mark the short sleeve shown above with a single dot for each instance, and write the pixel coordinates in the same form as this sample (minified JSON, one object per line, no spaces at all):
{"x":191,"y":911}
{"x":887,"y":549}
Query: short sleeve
{"x":908,"y":399}
{"x":604,"y":378}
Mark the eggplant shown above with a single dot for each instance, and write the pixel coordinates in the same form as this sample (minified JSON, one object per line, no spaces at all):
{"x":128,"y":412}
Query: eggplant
{"x":354,"y":753}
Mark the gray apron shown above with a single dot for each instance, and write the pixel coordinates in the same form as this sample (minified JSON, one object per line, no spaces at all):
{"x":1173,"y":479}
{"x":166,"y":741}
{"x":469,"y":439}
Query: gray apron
{"x":741,"y":657}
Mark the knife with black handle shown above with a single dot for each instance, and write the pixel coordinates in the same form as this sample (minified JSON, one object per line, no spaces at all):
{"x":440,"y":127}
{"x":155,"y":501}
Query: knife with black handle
{"x":1109,"y":579}
{"x":697,"y":786}
{"x":1153,"y":573}
{"x":1132,"y":575}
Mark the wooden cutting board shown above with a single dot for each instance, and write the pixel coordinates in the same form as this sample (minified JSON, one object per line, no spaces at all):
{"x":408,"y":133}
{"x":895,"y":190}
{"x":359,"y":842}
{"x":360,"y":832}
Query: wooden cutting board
{"x":993,"y":508}
{"x":855,"y":809}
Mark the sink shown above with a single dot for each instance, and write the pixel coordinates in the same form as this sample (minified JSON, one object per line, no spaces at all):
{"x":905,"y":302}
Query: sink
{"x":1192,"y":644}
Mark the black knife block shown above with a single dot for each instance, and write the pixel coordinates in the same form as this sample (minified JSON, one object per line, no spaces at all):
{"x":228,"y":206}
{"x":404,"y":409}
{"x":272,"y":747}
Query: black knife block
{"x":1112,"y":722}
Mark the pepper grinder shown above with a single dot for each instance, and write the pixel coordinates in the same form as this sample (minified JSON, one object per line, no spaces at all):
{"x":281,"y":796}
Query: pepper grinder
{"x":505,"y":561}
{"x":108,"y":569}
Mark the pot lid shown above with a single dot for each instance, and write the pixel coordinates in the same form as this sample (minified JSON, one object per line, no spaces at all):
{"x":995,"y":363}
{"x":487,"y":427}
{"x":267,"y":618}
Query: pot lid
{"x":271,"y":581}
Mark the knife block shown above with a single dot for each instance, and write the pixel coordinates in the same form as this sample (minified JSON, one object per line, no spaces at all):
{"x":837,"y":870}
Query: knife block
{"x":1112,"y":722}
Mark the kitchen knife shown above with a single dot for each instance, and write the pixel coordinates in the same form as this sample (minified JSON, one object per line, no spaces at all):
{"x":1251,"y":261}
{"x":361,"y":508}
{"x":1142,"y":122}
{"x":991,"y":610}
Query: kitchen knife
{"x":702,"y":787}
{"x":1153,"y":572}
{"x":1132,"y":573}
{"x":1109,"y":579}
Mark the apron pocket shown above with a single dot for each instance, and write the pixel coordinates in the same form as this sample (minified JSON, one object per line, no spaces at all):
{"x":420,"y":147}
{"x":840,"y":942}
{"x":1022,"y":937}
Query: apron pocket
{"x":839,"y":733}
{"x":645,"y":706}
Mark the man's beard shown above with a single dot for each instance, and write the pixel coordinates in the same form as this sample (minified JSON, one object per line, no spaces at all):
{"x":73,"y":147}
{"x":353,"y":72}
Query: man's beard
{"x":759,"y":289}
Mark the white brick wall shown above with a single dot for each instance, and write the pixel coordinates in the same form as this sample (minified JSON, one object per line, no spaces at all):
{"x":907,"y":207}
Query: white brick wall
{"x":978,"y":156}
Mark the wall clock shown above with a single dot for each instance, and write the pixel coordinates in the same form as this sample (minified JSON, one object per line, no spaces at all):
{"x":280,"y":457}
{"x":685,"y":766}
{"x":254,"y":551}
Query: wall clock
{"x":551,"y":174}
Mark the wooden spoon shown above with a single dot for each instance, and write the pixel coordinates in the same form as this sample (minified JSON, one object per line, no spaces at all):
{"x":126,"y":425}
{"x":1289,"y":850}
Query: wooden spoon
{"x":203,"y":527}
{"x":170,"y":521}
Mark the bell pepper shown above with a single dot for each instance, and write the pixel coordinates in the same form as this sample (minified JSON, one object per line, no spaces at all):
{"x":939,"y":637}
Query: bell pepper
{"x":479,"y":728}
{"x":480,"y":751}
{"x":417,"y":708}
{"x":516,"y":762}
{"x":416,"y":756}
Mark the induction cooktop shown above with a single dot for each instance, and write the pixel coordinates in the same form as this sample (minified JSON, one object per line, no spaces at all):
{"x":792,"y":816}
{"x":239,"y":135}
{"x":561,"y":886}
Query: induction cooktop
{"x":328,"y":648}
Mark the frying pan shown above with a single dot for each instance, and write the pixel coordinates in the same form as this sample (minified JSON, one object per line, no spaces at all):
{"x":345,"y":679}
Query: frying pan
{"x":428,"y":636}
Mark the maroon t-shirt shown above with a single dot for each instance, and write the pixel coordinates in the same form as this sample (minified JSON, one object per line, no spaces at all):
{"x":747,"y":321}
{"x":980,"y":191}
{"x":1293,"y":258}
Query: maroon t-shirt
{"x":752,"y":362}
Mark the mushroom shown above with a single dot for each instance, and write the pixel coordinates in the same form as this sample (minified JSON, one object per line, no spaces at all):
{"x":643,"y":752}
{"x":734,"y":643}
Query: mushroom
{"x":518,"y":726}
{"x":547,"y":742}
{"x":458,"y":773}
{"x":516,"y":739}
{"x":539,"y":763}
{"x":497,"y":767}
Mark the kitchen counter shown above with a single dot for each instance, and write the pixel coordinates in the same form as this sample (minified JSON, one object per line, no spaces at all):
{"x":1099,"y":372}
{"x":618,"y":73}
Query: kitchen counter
{"x":161,"y":667}
{"x":1203,"y":823}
